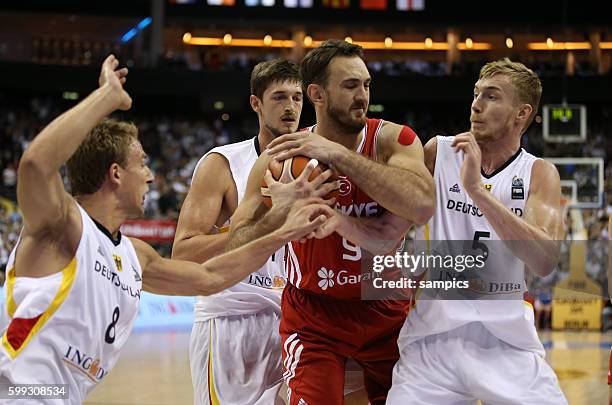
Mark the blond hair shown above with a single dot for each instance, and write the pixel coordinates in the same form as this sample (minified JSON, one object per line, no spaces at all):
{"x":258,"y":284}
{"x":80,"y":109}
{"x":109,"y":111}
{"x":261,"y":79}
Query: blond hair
{"x":107,"y":143}
{"x":526,"y":83}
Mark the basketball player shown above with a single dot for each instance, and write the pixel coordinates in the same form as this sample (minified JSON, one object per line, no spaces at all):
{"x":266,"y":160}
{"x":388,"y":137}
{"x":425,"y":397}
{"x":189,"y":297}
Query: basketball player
{"x":385,"y":186}
{"x":73,"y":284}
{"x":460,"y":351}
{"x":235,"y":345}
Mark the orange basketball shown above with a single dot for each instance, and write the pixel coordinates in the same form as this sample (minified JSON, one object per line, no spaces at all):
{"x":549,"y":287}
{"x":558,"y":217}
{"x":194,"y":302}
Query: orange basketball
{"x":289,"y":170}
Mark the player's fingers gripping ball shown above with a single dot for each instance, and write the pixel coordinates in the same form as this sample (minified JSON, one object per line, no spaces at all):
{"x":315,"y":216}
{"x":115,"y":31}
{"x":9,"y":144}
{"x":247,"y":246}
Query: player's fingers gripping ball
{"x":290,"y":169}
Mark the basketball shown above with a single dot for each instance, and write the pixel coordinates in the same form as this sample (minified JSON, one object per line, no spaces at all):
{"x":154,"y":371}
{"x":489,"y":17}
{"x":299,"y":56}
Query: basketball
{"x":289,"y":170}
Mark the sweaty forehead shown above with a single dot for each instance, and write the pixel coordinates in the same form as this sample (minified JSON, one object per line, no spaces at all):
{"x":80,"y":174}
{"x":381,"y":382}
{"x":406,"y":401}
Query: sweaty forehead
{"x":344,"y":68}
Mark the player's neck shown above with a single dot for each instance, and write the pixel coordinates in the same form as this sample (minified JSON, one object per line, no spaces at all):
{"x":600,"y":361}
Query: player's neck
{"x":495,"y":154}
{"x":104,"y":209}
{"x":264,"y":138}
{"x":330,"y":130}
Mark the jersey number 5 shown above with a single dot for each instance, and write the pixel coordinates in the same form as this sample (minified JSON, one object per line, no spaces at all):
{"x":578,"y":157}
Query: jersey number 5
{"x":477,"y":245}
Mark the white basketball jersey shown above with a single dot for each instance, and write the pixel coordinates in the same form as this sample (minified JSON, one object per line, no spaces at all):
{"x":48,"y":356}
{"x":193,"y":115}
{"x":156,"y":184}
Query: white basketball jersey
{"x":457,"y":218}
{"x":69,"y":327}
{"x":261,"y":289}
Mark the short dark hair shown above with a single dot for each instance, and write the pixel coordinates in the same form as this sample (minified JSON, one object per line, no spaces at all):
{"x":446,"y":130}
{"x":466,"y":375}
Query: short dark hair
{"x":107,"y":143}
{"x":268,"y":72}
{"x":314,"y":66}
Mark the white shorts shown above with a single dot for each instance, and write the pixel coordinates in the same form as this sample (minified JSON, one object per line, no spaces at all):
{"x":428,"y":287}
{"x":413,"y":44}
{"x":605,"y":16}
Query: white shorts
{"x":236,"y":359}
{"x":468,"y":364}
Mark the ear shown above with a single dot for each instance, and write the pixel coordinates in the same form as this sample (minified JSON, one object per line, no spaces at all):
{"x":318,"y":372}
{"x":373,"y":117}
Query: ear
{"x":524,"y":112}
{"x":316,"y":93}
{"x":255,"y":103}
{"x":114,"y":174}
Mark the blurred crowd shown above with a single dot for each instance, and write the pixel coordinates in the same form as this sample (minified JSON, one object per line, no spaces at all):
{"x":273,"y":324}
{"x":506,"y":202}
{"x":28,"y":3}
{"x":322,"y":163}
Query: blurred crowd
{"x":174,"y":145}
{"x":211,"y":59}
{"x":10,"y":226}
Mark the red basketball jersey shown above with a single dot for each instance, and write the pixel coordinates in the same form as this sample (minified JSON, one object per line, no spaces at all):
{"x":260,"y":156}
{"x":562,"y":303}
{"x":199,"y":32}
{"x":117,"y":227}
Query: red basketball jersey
{"x":332,"y":266}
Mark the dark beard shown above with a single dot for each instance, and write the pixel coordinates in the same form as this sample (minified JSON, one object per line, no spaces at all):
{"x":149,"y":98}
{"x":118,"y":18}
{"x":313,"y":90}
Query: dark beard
{"x":344,"y":121}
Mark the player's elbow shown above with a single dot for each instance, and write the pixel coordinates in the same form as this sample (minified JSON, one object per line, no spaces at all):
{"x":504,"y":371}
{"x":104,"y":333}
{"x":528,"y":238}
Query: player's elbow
{"x":205,"y":291}
{"x":424,"y":211}
{"x":180,"y":249}
{"x":236,"y":237}
{"x":31,"y":165}
{"x":425,"y":204}
{"x":542,"y":270}
{"x":210,"y":283}
{"x":178,"y":253}
{"x":544,"y":264}
{"x":385,"y":247}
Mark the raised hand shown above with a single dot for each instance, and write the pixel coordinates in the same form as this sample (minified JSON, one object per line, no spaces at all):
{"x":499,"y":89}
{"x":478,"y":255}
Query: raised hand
{"x":115,"y":79}
{"x":331,"y":225}
{"x":304,"y":217}
{"x":304,"y":143}
{"x":286,"y":194}
{"x":470,"y":170}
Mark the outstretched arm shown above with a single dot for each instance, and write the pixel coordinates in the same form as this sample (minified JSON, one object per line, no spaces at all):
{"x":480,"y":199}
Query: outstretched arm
{"x":52,"y":222}
{"x":40,"y":190}
{"x":176,"y":277}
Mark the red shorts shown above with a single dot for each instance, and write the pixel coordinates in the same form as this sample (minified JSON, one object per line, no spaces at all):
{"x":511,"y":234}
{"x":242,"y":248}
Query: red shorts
{"x":319,"y":334}
{"x":610,"y":369}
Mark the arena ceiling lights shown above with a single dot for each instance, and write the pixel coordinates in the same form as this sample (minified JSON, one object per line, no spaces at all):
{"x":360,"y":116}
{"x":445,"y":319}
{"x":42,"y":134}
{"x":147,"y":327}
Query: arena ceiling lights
{"x":551,"y":45}
{"x":388,"y":43}
{"x":310,"y":43}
